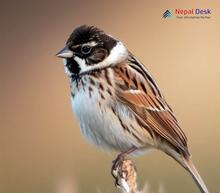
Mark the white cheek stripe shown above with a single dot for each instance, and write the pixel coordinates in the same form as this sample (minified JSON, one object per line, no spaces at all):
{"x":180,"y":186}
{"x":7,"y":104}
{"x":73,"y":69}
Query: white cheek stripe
{"x":117,"y":55}
{"x":82,"y":63}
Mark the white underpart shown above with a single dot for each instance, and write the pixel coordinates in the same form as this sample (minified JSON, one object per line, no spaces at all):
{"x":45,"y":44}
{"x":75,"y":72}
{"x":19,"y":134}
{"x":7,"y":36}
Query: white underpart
{"x":117,"y":55}
{"x":99,"y":123}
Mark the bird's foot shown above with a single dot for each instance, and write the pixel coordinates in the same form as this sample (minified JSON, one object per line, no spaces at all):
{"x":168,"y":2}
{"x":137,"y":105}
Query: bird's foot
{"x":124,"y":173}
{"x":118,"y":165}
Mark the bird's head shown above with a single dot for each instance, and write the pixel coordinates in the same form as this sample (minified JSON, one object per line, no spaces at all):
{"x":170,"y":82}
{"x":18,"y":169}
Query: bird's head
{"x":89,"y":48}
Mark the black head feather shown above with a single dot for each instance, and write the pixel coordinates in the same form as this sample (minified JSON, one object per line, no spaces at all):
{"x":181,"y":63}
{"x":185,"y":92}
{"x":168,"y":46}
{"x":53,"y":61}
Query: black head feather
{"x":84,"y":34}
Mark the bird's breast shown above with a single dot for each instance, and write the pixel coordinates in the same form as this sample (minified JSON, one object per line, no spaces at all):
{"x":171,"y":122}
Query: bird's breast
{"x":102,"y":120}
{"x":91,"y":100}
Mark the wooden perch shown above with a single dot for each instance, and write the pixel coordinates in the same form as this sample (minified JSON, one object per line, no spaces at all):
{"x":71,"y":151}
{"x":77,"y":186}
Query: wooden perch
{"x":125,"y":175}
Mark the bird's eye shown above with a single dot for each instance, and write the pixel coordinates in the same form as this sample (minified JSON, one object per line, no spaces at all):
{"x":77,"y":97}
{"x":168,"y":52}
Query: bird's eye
{"x":86,"y":49}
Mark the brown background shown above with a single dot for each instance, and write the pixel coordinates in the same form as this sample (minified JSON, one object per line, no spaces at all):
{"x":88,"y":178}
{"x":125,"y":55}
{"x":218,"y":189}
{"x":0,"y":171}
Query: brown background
{"x":41,"y":148}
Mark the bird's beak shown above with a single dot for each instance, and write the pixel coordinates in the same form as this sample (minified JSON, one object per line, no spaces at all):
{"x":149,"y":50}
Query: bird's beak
{"x":65,"y":53}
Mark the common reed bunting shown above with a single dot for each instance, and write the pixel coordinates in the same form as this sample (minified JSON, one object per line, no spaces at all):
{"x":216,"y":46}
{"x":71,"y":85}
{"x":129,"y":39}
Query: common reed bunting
{"x":118,"y":103}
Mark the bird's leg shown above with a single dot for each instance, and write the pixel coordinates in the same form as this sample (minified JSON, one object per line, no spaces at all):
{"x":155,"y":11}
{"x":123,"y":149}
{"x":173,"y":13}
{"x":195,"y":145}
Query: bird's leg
{"x":117,"y":163}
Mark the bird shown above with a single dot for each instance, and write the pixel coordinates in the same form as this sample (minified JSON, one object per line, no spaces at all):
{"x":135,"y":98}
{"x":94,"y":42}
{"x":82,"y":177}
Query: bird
{"x":118,"y":103}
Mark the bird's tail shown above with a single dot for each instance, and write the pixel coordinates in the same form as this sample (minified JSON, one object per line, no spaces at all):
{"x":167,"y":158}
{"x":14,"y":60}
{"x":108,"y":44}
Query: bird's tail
{"x":189,"y":166}
{"x":186,"y":162}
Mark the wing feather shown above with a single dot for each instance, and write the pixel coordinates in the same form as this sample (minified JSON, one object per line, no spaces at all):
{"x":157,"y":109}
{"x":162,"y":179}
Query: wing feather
{"x":136,"y":89}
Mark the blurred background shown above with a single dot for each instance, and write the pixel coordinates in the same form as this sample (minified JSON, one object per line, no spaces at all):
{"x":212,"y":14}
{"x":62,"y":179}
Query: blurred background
{"x":41,"y":147}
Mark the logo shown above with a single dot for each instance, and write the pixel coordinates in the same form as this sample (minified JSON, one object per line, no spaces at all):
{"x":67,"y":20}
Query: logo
{"x":167,"y":14}
{"x":188,"y":13}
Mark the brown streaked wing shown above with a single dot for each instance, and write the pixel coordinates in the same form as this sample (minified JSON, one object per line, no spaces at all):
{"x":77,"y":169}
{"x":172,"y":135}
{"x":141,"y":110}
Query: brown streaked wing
{"x":148,"y":105}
